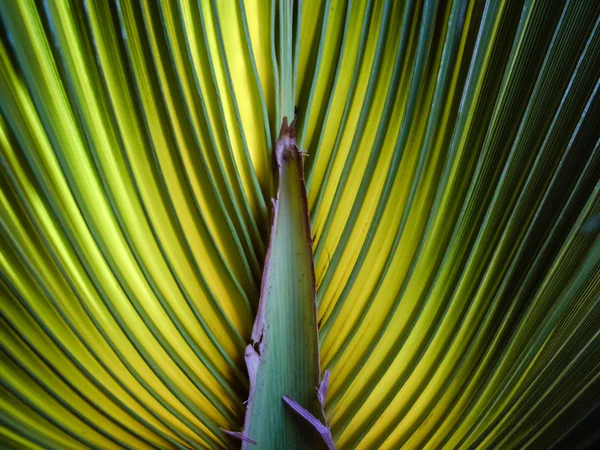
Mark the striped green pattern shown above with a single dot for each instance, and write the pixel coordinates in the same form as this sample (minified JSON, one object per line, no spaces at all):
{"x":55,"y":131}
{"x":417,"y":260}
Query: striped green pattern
{"x":454,"y":195}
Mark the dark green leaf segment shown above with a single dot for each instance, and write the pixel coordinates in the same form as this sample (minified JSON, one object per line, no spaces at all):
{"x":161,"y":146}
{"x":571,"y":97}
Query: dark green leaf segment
{"x":283,"y":359}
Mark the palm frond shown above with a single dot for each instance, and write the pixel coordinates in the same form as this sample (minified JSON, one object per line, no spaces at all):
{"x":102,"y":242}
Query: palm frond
{"x":454,"y":195}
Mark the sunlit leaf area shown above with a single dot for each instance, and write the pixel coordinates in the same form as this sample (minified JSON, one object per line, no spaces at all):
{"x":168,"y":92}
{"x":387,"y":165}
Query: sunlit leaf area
{"x":453,"y":179}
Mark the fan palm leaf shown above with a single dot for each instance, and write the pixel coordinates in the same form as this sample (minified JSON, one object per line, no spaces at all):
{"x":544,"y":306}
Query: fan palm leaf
{"x":453,"y":193}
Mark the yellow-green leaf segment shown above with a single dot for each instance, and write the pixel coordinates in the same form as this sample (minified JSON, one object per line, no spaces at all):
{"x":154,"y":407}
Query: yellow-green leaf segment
{"x":452,"y":160}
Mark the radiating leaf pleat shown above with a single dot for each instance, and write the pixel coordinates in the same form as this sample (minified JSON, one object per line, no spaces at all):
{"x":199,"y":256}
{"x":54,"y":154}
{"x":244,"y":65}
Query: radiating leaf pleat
{"x":424,"y":228}
{"x":453,"y":190}
{"x":137,"y":219}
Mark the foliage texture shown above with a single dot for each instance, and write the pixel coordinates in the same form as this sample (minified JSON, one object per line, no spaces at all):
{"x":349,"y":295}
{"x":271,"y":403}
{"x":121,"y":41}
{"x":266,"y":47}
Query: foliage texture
{"x":454,"y":194}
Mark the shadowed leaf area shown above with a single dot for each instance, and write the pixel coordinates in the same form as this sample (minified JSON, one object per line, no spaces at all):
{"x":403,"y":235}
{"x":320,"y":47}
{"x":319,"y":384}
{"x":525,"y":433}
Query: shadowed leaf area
{"x":452,"y":176}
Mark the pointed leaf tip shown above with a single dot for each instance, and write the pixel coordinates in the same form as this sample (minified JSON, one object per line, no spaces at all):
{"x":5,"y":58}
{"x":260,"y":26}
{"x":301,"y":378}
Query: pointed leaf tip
{"x":285,"y":147}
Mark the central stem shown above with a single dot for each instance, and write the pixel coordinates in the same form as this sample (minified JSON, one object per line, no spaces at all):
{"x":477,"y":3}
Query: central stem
{"x":283,"y":359}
